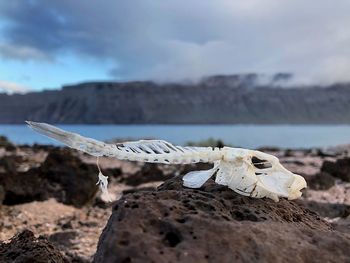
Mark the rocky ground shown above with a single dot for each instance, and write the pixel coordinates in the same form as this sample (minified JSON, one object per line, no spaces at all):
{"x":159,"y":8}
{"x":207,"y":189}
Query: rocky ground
{"x":53,"y":211}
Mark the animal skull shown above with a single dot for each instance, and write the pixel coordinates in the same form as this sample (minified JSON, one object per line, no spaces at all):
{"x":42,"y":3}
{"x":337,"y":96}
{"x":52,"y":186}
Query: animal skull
{"x":264,"y":176}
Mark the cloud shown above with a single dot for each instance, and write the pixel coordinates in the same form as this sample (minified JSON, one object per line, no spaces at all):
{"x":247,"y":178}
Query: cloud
{"x":10,"y":87}
{"x":23,"y":53}
{"x":170,"y":40}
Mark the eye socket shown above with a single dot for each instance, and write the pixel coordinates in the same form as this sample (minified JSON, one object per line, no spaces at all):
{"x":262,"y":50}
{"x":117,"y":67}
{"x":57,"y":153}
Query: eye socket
{"x":261,"y":164}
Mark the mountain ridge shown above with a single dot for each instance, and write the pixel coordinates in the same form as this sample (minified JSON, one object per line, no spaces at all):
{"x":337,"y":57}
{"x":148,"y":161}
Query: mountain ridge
{"x":235,"y":99}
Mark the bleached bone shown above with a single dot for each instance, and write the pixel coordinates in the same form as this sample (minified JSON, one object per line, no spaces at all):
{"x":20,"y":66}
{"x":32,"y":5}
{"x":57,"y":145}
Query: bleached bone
{"x":235,"y":167}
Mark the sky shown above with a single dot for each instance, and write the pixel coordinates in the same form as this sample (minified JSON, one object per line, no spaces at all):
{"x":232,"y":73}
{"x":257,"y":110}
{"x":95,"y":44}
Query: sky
{"x":46,"y":44}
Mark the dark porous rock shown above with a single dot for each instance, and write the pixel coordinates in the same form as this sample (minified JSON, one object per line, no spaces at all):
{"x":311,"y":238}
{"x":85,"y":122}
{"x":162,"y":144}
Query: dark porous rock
{"x":329,"y":210}
{"x":24,"y":247}
{"x":214,"y":224}
{"x":149,"y":172}
{"x":340,"y":168}
{"x":138,"y":189}
{"x":8,"y":164}
{"x":62,"y":176}
{"x":65,"y":241}
{"x":322,"y":181}
{"x":2,"y":194}
{"x":5,"y":143}
{"x":76,"y":179}
{"x":323,"y":152}
{"x":63,"y":238}
{"x":21,"y":187}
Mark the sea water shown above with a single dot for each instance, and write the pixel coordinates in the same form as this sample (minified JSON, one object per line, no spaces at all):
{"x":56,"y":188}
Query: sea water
{"x":248,"y":136}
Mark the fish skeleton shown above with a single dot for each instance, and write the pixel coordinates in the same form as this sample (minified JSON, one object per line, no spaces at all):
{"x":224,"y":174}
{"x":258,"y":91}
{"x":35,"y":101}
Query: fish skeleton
{"x":247,"y":172}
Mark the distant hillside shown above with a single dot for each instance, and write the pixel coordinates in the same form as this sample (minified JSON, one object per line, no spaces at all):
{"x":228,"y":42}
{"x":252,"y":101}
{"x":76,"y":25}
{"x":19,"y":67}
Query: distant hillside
{"x":218,"y":99}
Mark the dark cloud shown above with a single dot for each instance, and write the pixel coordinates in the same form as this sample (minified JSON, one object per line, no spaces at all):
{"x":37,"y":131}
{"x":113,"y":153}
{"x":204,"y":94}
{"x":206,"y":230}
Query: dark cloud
{"x":20,"y":52}
{"x":32,"y":25}
{"x":163,"y":39}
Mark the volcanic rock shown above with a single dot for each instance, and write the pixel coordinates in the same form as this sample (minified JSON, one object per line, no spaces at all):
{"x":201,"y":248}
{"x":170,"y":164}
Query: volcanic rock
{"x":321,"y":181}
{"x":149,"y":172}
{"x":4,"y":142}
{"x":2,"y":194}
{"x":62,"y":176}
{"x":214,"y":224}
{"x":327,"y":210}
{"x":24,"y":247}
{"x":340,"y":168}
{"x":77,"y":179}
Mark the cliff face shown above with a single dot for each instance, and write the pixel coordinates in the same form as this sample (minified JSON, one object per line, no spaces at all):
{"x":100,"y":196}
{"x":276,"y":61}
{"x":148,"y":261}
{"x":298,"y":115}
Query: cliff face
{"x":217,"y":99}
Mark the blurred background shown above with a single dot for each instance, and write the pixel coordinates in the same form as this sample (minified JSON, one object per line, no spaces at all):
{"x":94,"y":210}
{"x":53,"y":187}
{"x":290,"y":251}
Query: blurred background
{"x":249,"y":73}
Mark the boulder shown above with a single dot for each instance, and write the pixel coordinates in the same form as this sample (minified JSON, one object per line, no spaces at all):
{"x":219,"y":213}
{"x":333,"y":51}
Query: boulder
{"x":149,"y":172}
{"x":62,"y":176}
{"x":214,"y":224}
{"x":327,"y":209}
{"x":75,"y":180}
{"x":339,"y":168}
{"x":321,"y":181}
{"x":24,"y":247}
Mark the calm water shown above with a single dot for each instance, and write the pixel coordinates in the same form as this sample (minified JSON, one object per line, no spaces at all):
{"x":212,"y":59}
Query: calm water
{"x":250,"y":136}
